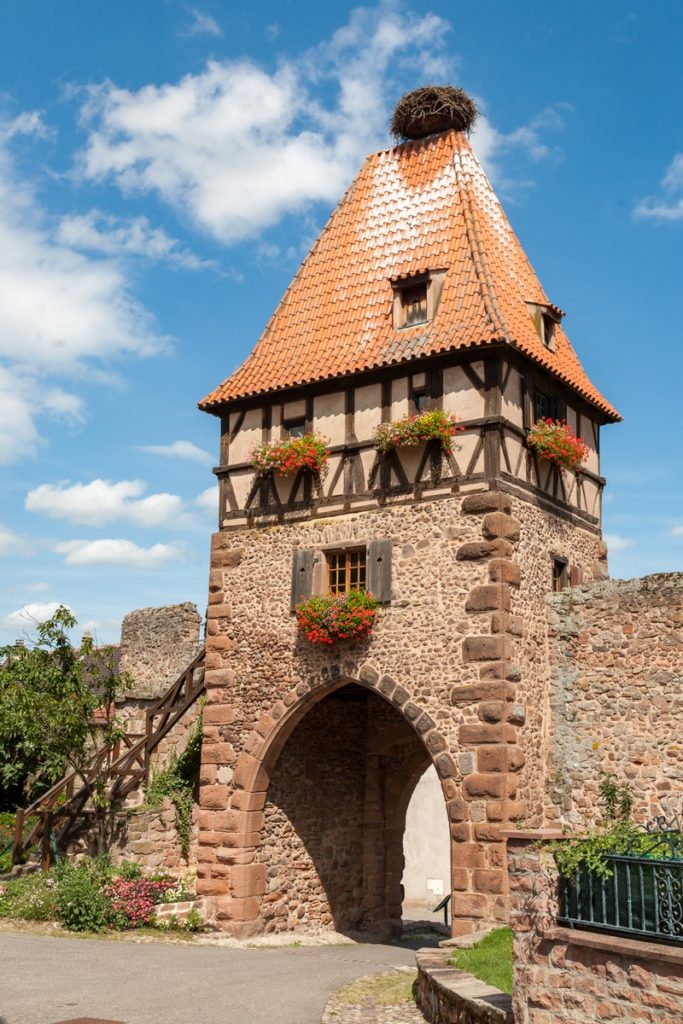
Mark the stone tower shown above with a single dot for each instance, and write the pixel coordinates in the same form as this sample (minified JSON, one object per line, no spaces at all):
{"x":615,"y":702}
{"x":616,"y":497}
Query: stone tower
{"x":416,"y":296}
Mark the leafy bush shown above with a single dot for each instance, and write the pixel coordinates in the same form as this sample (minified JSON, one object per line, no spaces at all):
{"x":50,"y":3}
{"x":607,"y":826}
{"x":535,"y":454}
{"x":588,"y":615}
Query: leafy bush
{"x":434,"y":425}
{"x":82,"y":903}
{"x":128,"y":869}
{"x":178,"y":782}
{"x":326,"y":618}
{"x":193,"y":921}
{"x":31,"y":898}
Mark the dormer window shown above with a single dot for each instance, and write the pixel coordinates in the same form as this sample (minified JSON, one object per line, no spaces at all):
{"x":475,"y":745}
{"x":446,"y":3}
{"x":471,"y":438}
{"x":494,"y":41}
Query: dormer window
{"x":546,"y":318}
{"x":416,"y":299}
{"x":414,"y":305}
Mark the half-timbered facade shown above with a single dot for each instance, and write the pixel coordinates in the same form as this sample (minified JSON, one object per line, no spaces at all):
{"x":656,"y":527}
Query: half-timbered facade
{"x":416,"y":296}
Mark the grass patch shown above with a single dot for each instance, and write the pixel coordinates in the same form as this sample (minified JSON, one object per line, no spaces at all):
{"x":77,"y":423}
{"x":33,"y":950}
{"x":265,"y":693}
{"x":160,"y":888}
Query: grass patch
{"x":378,"y":990}
{"x":490,"y":960}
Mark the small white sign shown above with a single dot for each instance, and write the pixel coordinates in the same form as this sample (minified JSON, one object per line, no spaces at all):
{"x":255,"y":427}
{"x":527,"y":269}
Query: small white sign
{"x":435,"y":886}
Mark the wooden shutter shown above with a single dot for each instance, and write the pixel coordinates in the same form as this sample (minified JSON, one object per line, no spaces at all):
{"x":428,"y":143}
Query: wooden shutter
{"x":379,"y":569}
{"x":302,"y":576}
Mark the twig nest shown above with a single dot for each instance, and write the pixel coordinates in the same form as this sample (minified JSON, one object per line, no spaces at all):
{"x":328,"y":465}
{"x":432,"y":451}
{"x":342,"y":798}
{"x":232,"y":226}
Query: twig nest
{"x":432,"y":109}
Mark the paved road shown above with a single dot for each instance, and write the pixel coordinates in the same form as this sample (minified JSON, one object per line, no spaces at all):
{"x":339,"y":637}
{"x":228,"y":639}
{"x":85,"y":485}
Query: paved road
{"x":46,"y":979}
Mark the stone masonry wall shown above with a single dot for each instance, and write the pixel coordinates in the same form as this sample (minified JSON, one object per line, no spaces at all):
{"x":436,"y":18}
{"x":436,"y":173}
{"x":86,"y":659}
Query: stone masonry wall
{"x":149,"y":837}
{"x":616,"y":693}
{"x":571,"y":976}
{"x":156,"y":645}
{"x":459,"y":652}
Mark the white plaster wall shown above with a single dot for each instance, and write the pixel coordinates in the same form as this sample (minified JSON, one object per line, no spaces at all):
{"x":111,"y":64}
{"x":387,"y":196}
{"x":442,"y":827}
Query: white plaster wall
{"x":426,"y":844}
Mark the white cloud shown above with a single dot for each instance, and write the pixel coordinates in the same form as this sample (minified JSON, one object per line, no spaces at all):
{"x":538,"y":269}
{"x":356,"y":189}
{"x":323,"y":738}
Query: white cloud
{"x":61,"y":312}
{"x":100,"y":232}
{"x":677,"y":531}
{"x":665,"y":209}
{"x":29,"y":616}
{"x":103,"y":501}
{"x":234,"y":148}
{"x":208,"y":499}
{"x":179,"y":450}
{"x":10,"y":541}
{"x":30,"y":122}
{"x":615,"y":542}
{"x":202,"y":24}
{"x":117,"y":552}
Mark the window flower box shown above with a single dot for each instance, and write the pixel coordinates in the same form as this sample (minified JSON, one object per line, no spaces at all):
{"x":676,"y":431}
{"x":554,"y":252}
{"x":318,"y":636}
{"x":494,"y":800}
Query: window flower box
{"x":555,"y":441}
{"x":309,"y":452}
{"x":328,"y":618}
{"x":434,"y":425}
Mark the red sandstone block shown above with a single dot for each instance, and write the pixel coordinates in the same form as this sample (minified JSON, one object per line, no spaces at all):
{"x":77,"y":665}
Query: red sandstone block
{"x":491,"y":880}
{"x":238,"y":909}
{"x":221,"y":643}
{"x":245,"y":771}
{"x":478,"y":785}
{"x":487,"y":598}
{"x":434,"y":742}
{"x":498,"y":524}
{"x":486,"y":648}
{"x":486,"y":501}
{"x":218,"y":753}
{"x":218,"y":611}
{"x":213,"y":797}
{"x":226,"y":558}
{"x":248,"y":880}
{"x":469,"y":855}
{"x":219,"y":714}
{"x":476,"y":734}
{"x":220,"y":677}
{"x":502,"y":570}
{"x":212,"y":662}
{"x":506,"y":810}
{"x":206,"y":855}
{"x":207,"y":774}
{"x":476,"y":692}
{"x":475,"y":551}
{"x":241,"y":800}
{"x":492,"y":711}
{"x":500,"y":759}
{"x":457,"y":810}
{"x":488,"y":833}
{"x":461,"y":833}
{"x":507,"y":670}
{"x":212,"y":887}
{"x":469,"y":905}
{"x":460,"y":879}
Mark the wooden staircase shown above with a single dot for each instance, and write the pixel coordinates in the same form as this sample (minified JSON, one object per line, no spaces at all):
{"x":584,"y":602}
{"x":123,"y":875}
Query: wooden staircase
{"x":63,"y":811}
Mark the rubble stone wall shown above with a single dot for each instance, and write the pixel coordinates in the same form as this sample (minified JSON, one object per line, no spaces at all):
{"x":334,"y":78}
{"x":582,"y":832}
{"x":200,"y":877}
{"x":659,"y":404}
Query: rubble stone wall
{"x":460,"y":653}
{"x":156,"y":645}
{"x":616,"y":694}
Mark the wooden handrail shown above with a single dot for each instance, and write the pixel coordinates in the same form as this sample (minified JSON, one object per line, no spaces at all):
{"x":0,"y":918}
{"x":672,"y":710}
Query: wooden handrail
{"x":127,"y":768}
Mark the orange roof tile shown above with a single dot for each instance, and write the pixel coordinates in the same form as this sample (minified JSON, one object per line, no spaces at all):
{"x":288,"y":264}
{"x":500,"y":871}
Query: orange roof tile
{"x":423,"y":205}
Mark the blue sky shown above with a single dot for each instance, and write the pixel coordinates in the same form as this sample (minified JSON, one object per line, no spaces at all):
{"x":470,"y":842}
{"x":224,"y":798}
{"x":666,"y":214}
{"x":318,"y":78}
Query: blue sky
{"x":164,"y":168}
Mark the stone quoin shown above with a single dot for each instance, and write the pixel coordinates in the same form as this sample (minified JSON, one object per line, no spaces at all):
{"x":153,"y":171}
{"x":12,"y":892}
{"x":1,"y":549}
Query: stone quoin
{"x":417,"y":296}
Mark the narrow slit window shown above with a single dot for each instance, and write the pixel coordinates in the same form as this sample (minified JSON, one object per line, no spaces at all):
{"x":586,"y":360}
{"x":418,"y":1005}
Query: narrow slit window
{"x":346,"y":571}
{"x":560,"y":575}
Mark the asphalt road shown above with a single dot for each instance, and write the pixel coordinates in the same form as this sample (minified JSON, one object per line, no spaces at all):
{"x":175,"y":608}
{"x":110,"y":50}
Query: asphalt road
{"x":45,"y":980}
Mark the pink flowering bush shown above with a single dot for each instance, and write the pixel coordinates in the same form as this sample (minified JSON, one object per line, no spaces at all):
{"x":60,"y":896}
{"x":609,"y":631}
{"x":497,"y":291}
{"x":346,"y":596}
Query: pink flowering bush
{"x":133,"y":899}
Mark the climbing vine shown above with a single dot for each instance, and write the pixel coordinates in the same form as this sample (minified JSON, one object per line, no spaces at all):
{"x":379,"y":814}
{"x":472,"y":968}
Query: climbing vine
{"x":178,"y":781}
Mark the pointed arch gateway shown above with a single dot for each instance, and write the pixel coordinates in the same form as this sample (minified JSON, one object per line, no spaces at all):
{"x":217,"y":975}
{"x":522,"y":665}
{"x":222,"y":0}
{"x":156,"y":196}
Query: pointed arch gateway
{"x":319,"y":804}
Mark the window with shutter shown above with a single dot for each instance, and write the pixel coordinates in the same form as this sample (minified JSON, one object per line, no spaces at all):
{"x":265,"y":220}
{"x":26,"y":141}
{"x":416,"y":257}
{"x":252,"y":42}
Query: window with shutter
{"x":302,"y":576}
{"x":379,"y":569}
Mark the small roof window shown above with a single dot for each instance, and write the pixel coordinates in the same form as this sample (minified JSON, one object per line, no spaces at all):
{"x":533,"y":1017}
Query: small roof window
{"x":416,"y":298}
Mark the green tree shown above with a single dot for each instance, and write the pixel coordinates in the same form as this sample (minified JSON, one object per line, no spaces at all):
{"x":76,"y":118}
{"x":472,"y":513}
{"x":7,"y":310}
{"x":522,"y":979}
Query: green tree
{"x":56,"y":707}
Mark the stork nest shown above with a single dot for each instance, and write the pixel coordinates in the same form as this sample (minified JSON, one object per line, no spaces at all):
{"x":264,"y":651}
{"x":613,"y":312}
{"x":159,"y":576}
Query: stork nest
{"x":432,"y":109}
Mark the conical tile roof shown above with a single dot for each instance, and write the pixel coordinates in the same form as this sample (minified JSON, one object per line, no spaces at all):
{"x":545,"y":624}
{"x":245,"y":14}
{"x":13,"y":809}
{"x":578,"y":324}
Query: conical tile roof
{"x":422,"y":206}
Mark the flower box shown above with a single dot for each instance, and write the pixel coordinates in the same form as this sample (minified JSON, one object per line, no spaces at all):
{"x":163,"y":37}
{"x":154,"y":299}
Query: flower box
{"x":434,"y":425}
{"x":328,"y":618}
{"x":287,"y":457}
{"x":555,"y":441}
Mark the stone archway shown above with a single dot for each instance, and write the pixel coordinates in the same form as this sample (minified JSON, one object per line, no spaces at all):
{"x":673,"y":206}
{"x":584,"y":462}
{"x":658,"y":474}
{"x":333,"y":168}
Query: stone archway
{"x":318,"y":804}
